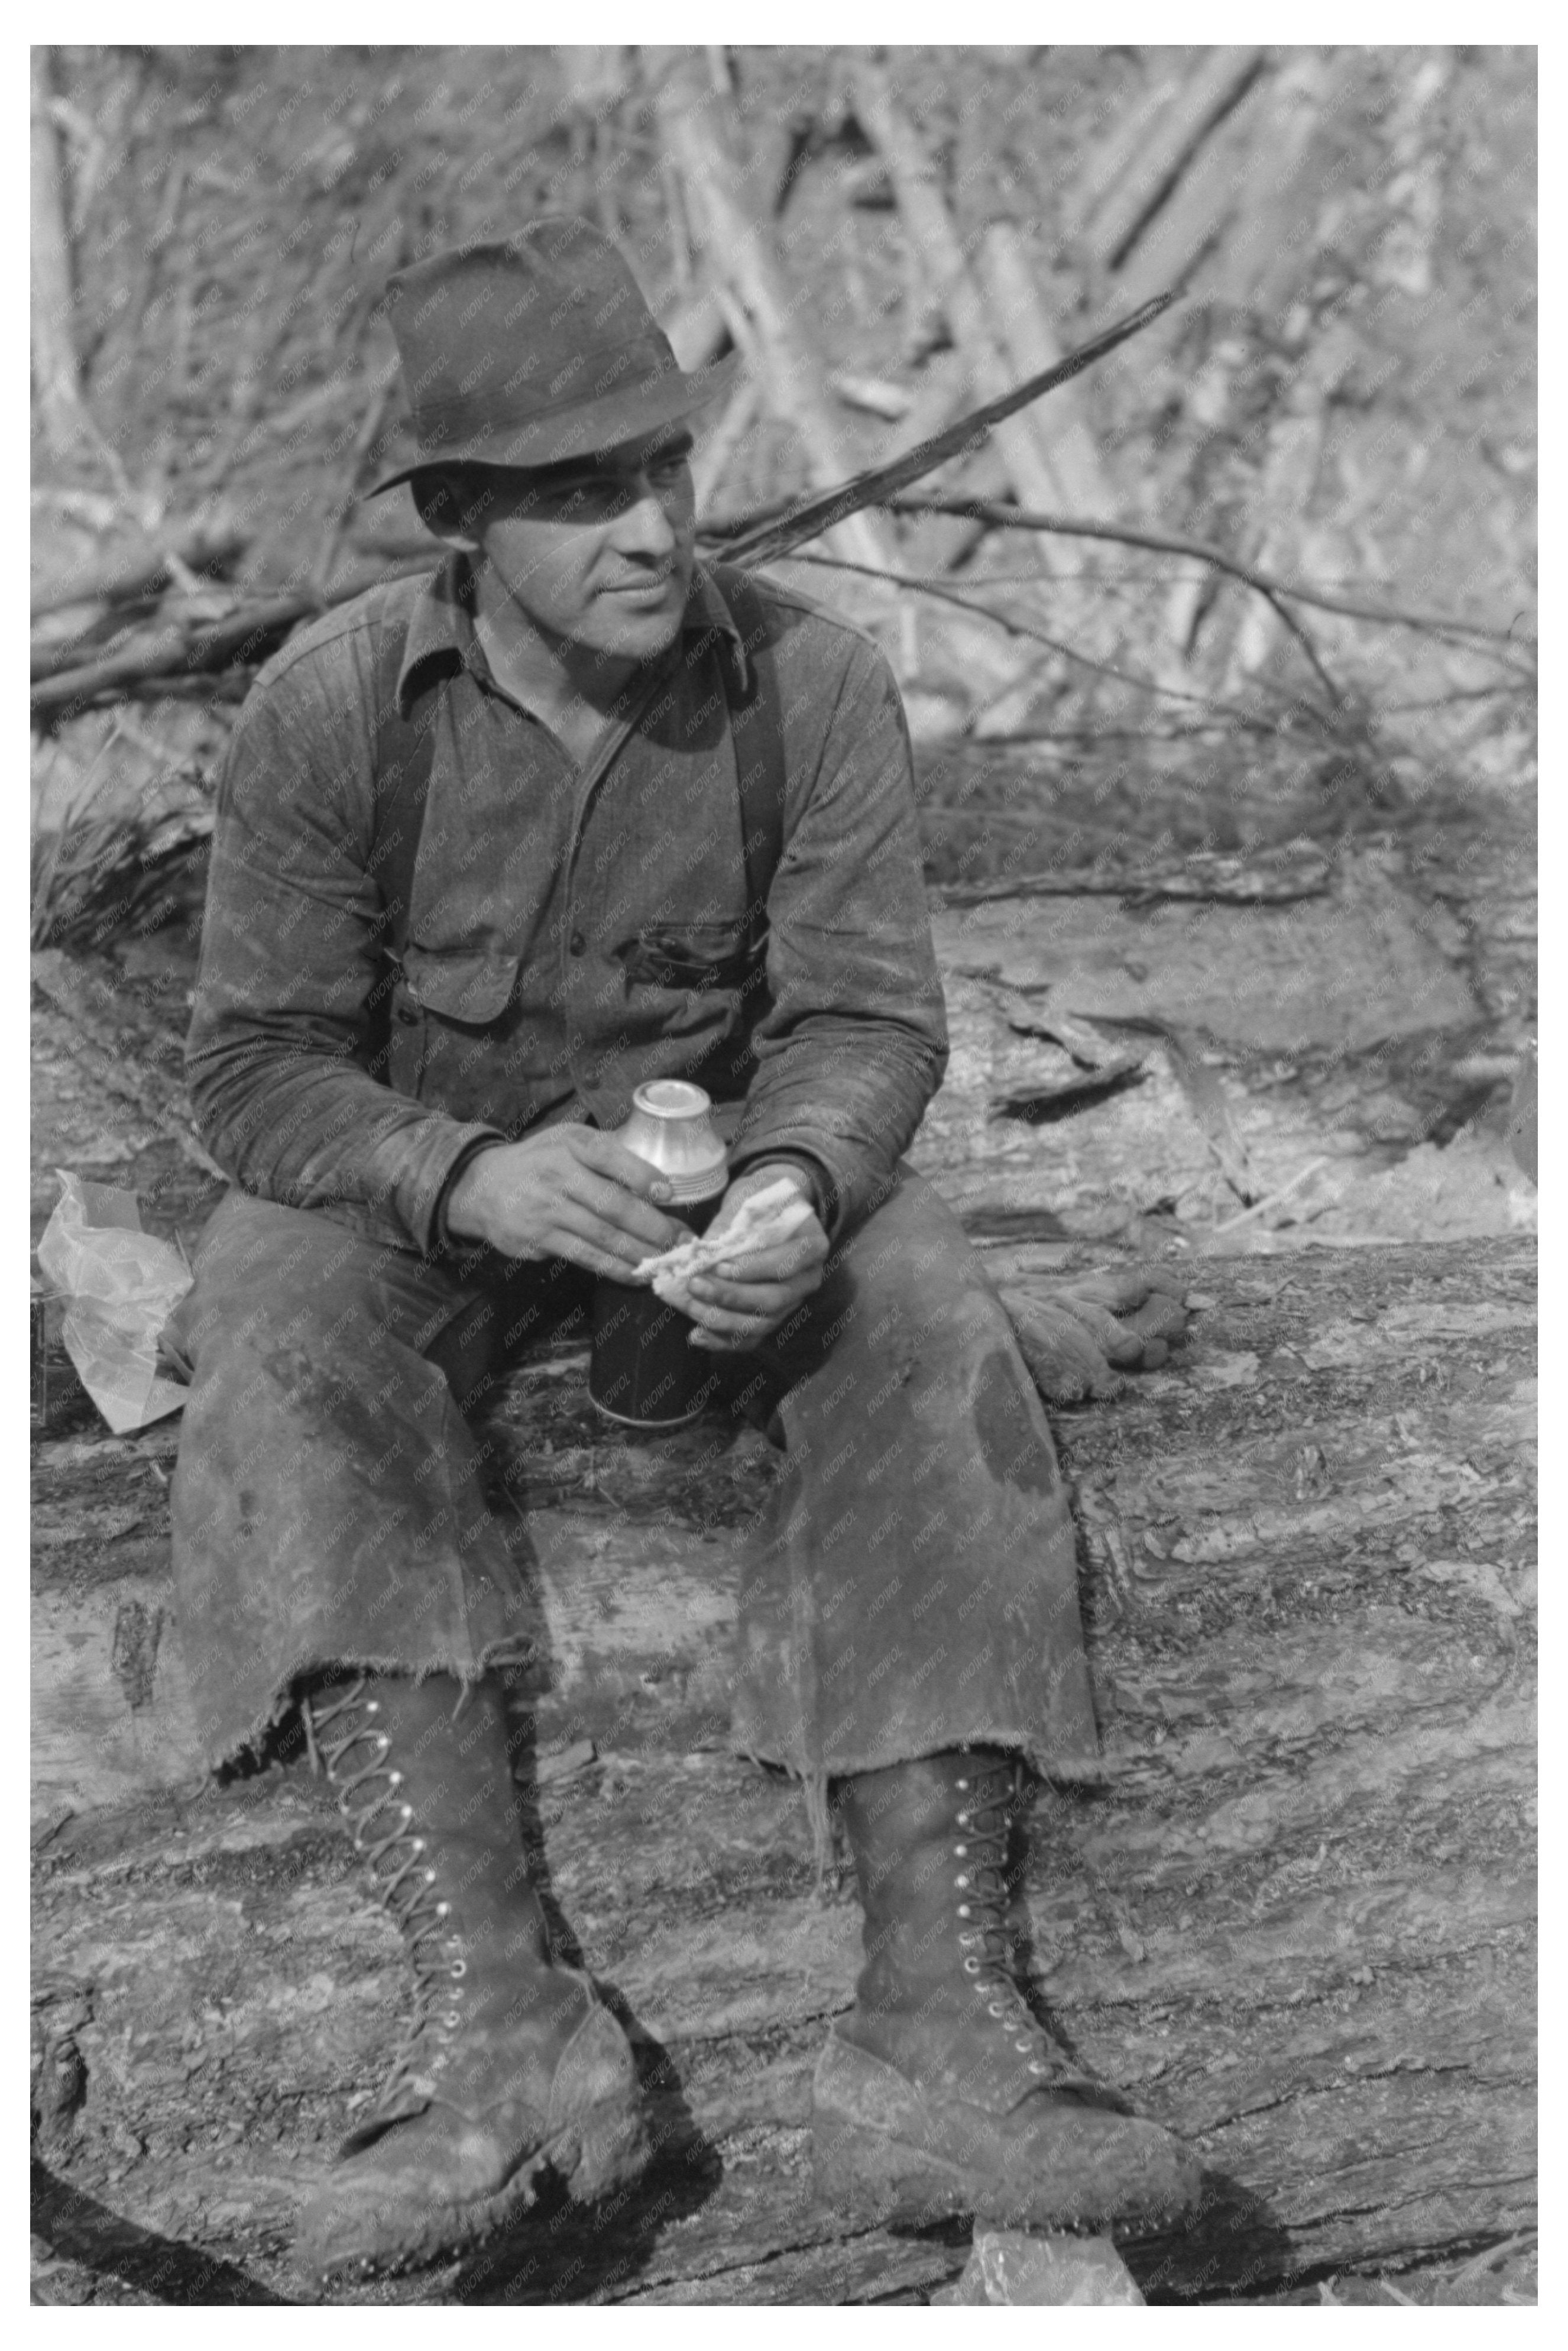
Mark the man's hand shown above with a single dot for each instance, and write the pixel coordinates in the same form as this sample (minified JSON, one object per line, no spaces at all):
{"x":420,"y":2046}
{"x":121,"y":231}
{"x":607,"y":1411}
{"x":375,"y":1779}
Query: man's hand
{"x":743,"y":1300}
{"x":567,"y":1192}
{"x":1075,"y":1329}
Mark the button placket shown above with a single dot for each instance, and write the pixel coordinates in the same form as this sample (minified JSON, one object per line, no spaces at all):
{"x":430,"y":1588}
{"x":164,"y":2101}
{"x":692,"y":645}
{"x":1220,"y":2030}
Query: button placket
{"x":576,"y":966}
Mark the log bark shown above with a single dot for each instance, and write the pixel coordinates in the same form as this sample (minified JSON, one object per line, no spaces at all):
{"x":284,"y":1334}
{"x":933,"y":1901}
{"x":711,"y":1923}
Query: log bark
{"x":1295,"y":1922}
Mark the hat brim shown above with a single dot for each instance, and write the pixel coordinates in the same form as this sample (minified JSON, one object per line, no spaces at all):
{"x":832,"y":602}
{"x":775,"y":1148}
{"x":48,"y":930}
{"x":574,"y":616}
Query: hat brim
{"x":578,"y":431}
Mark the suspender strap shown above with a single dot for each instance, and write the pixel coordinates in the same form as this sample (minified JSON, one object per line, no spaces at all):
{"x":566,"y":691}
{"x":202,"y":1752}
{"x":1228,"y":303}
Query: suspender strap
{"x":757,"y":729}
{"x":405,"y":749}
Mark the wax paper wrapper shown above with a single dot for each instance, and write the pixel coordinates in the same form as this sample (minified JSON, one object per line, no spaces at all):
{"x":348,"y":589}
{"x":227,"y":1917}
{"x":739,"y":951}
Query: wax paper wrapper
{"x":762,"y":1220}
{"x":121,"y":1285}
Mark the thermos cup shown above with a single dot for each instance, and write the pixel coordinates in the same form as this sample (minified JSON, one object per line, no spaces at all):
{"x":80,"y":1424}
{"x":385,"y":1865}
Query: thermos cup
{"x":642,"y":1371}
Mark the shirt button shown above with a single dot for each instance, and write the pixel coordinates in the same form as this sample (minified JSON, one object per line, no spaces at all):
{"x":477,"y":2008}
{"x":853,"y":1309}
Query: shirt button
{"x":578,"y":943}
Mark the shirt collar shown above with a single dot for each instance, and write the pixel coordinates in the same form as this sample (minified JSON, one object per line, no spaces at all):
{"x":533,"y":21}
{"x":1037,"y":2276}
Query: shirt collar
{"x":441,"y":629}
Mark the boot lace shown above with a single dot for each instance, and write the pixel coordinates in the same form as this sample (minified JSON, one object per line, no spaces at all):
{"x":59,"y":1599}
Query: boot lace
{"x":344,"y":1736}
{"x":991,"y":1792}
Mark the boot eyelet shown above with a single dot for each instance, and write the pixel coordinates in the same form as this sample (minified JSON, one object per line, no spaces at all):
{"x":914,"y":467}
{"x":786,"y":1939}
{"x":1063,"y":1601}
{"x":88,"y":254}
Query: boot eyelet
{"x":1036,"y":2067}
{"x":965,"y":1912}
{"x":452,"y":2019}
{"x":996,"y":2007}
{"x":961,"y":1783}
{"x":961,"y":1851}
{"x":1023,"y":2047}
{"x":971,"y":1967}
{"x":443,"y":1909}
{"x":394,"y":1779}
{"x":459,"y":1967}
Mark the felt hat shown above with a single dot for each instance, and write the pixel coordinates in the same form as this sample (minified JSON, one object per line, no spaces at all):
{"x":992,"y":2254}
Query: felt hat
{"x":537,"y":348}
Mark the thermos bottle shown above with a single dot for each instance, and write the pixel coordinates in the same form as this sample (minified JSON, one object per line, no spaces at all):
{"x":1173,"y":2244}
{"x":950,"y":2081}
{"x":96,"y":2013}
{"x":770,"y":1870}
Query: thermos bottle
{"x":642,"y":1371}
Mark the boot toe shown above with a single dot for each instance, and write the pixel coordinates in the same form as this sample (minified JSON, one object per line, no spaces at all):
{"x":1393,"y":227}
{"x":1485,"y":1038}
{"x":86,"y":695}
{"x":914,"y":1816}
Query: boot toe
{"x":881,"y":2147}
{"x":1087,"y":2164}
{"x":440,"y":2179}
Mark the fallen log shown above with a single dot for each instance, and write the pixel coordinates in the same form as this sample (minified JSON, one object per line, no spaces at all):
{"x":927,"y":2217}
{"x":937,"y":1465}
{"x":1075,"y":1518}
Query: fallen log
{"x":127,"y":573}
{"x":1295,"y":1922}
{"x":751,"y":290}
{"x":1278,"y":1014}
{"x":196,"y":644}
{"x":943,"y":267}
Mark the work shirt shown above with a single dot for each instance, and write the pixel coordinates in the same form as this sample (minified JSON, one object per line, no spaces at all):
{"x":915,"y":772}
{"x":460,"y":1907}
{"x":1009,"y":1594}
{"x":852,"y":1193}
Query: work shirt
{"x":571,"y":932}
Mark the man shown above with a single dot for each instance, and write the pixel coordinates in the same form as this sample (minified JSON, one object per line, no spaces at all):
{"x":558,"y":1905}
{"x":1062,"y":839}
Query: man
{"x":483,"y":865}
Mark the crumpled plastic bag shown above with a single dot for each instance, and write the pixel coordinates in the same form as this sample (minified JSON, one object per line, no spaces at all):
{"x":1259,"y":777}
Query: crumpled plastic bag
{"x":120,"y":1286}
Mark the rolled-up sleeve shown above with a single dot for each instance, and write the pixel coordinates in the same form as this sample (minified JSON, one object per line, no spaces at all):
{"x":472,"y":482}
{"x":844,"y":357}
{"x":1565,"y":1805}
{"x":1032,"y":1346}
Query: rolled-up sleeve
{"x":854,"y":1042}
{"x":279,"y":1057}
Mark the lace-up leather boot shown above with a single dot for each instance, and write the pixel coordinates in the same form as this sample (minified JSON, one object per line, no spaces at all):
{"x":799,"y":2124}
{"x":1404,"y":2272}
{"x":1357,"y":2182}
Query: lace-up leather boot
{"x":942,"y":2091}
{"x":510,"y":2067}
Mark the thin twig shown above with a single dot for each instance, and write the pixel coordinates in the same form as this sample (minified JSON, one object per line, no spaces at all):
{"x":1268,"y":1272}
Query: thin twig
{"x":1271,"y":599}
{"x":1022,"y":629}
{"x":995,"y":510}
{"x":1262,"y":1208}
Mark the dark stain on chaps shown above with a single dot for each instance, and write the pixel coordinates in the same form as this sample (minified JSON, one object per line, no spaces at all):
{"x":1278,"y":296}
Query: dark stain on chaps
{"x":1010,"y":1441}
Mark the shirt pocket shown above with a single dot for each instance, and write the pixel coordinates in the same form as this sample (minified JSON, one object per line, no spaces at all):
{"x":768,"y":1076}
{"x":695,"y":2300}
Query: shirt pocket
{"x":472,"y":986}
{"x":692,"y":956}
{"x":449,"y":1008}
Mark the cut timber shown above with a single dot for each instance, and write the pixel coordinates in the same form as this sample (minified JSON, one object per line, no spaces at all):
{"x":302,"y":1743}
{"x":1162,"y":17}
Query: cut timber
{"x":1295,"y":1922}
{"x":1033,"y":346}
{"x":747,"y":273}
{"x":1191,"y":991}
{"x":57,"y":377}
{"x":1219,"y":83}
{"x":1344,"y":968}
{"x":143,"y":568}
{"x":930,"y":229}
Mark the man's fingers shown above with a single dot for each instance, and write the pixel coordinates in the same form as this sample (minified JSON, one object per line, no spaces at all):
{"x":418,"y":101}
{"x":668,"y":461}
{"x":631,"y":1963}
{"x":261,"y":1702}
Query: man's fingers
{"x":751,"y":1299}
{"x":719,"y":1325}
{"x":619,"y":1250}
{"x":611,"y":1158}
{"x":577,"y":1250}
{"x":623,"y":1212}
{"x":782,"y":1262}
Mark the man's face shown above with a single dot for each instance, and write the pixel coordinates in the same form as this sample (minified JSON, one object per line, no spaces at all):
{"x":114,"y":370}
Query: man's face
{"x":598,"y":551}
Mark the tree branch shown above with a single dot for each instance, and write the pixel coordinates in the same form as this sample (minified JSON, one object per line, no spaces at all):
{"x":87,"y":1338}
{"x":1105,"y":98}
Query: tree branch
{"x":996,"y":511}
{"x":879,"y":485}
{"x":1038,"y":636}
